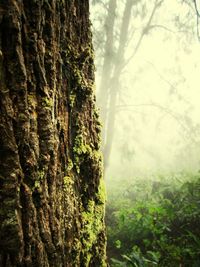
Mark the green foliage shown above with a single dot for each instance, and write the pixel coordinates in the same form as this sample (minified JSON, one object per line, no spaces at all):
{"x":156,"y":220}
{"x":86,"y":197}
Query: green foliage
{"x":135,"y":258}
{"x":156,"y":223}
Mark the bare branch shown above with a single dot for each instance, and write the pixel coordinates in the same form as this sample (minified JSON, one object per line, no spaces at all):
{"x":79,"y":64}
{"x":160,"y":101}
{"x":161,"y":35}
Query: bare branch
{"x":198,"y":34}
{"x":197,"y":20}
{"x":156,"y":6}
{"x":167,"y":82}
{"x":196,"y":8}
{"x":166,"y":110}
{"x":162,"y":27}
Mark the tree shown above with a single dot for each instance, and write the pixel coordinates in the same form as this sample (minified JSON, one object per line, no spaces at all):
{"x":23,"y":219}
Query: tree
{"x":133,"y":25}
{"x":116,"y":60}
{"x":51,"y":194}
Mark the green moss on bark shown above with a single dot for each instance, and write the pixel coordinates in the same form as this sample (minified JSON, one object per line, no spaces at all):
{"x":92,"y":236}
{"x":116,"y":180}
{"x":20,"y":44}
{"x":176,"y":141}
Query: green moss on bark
{"x":52,"y":208}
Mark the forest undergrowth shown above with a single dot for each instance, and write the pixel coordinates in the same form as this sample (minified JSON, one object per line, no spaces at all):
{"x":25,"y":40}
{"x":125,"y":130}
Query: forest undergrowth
{"x":154,"y":221}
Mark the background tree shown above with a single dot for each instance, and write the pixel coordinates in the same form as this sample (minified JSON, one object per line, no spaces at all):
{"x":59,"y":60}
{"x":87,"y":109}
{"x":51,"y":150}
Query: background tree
{"x":129,"y":38}
{"x":51,"y":194}
{"x":151,"y":108}
{"x":115,"y":60}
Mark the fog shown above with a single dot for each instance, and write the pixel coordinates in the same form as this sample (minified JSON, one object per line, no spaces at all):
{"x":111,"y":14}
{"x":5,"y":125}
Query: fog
{"x":150,"y":110}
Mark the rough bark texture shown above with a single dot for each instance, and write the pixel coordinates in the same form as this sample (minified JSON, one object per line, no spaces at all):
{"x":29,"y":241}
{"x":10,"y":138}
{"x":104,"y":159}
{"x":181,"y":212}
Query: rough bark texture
{"x":51,"y":193}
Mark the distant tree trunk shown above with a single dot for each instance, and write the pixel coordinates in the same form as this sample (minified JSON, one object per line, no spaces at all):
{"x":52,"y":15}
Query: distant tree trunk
{"x":114,"y":86}
{"x":113,"y":67}
{"x":51,"y":191}
{"x":107,"y":63}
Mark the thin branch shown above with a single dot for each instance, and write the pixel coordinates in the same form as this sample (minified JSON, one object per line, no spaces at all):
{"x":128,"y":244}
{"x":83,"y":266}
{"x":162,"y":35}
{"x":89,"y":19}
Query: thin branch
{"x":197,"y":19}
{"x":167,"y":82}
{"x":168,"y":111}
{"x":156,"y":6}
{"x":162,"y":27}
{"x":196,"y":8}
{"x":198,"y":34}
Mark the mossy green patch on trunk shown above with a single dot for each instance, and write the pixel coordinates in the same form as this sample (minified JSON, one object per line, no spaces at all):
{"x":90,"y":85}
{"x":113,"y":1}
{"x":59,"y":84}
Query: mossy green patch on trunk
{"x":52,"y":208}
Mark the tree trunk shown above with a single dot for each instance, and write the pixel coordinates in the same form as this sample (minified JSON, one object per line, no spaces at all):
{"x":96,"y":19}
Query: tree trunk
{"x":114,"y":86}
{"x":51,"y":190}
{"x":113,"y":68}
{"x":107,"y":64}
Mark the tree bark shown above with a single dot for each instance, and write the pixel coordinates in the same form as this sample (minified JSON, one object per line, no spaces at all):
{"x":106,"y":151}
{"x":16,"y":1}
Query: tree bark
{"x":51,"y":189}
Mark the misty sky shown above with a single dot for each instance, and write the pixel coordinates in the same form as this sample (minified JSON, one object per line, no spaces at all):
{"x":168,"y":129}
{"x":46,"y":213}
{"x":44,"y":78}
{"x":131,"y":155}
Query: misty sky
{"x":158,"y":110}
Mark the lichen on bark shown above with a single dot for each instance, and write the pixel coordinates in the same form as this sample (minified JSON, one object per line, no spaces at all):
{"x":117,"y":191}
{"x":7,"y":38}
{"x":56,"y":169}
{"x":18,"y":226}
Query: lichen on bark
{"x":51,"y":192}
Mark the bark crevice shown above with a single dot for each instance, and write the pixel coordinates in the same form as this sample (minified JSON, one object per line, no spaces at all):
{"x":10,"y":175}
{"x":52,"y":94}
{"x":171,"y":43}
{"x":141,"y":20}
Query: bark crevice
{"x":52,"y":197}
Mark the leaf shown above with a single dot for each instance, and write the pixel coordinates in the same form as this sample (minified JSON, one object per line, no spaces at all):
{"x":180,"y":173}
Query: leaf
{"x":118,"y":244}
